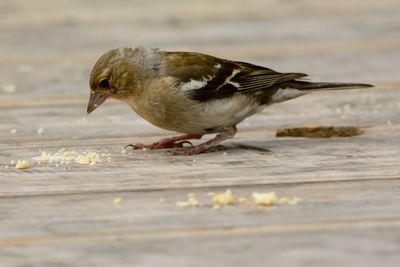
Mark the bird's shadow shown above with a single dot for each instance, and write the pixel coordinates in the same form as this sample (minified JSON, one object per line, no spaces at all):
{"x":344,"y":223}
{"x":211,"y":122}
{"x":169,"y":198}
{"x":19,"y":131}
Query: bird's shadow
{"x":239,"y":146}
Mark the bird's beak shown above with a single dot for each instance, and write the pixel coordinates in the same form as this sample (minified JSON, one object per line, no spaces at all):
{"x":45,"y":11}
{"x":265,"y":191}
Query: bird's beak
{"x":95,"y":100}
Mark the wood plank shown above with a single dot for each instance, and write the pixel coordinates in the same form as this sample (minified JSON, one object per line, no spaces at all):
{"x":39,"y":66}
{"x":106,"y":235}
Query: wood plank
{"x":370,"y":156}
{"x":349,"y":247}
{"x":252,"y":50}
{"x":34,"y":15}
{"x":86,"y":43}
{"x":327,"y":205}
{"x":362,"y":158}
{"x":337,"y":217}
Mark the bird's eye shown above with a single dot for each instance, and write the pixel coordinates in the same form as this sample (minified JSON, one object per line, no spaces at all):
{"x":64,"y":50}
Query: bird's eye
{"x":104,"y":84}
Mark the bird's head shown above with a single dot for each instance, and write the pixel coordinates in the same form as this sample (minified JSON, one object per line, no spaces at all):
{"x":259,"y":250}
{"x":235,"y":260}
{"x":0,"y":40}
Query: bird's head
{"x":113,"y":76}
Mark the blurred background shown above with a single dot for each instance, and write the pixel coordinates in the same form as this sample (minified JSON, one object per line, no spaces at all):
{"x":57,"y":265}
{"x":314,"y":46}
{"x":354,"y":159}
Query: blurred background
{"x":55,"y":43}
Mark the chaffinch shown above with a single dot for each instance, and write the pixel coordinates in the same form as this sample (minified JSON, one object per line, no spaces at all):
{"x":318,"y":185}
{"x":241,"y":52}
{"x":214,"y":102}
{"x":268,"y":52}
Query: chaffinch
{"x":193,"y":93}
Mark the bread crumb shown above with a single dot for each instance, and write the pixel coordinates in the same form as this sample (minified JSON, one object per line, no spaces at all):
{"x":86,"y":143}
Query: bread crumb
{"x":294,"y":201}
{"x":13,"y":131}
{"x":283,"y":200}
{"x":22,"y":165}
{"x":224,"y":154}
{"x":9,"y":88}
{"x":117,"y":201}
{"x":242,"y":200}
{"x":191,"y":201}
{"x":289,"y":200}
{"x":161,"y":200}
{"x":225,"y":198}
{"x":264,"y":199}
{"x":69,"y":155}
{"x":40,"y":131}
{"x":89,"y":158}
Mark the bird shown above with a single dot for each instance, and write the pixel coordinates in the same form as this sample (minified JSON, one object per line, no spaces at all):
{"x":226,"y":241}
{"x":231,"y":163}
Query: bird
{"x":193,"y":93}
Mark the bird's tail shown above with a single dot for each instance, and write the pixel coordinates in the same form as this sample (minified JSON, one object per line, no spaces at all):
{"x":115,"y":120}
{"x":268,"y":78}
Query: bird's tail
{"x":316,"y":86}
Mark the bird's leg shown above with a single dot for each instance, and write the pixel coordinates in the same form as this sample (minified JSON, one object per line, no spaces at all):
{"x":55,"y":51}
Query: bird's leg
{"x":204,"y":147}
{"x":170,"y":142}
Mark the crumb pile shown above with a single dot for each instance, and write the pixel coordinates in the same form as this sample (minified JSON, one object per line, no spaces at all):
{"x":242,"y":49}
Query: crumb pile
{"x":289,"y":200}
{"x":191,"y":201}
{"x":64,"y":156}
{"x":227,"y":198}
{"x":60,"y":158}
{"x":265,"y":199}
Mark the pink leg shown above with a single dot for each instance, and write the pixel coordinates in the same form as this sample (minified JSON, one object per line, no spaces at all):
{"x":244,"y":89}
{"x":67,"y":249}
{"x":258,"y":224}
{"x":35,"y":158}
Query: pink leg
{"x":204,"y":147}
{"x":167,"y":142}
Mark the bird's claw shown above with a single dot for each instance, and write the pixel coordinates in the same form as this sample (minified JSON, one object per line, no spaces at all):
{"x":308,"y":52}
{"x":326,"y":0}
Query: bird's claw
{"x":159,"y":145}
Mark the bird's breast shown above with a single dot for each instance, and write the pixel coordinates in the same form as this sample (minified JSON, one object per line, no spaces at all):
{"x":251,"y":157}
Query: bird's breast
{"x":175,"y":112}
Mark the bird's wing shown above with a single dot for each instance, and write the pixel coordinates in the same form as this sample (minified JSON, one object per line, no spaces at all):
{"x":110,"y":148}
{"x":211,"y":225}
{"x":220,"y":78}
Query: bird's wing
{"x":204,"y":77}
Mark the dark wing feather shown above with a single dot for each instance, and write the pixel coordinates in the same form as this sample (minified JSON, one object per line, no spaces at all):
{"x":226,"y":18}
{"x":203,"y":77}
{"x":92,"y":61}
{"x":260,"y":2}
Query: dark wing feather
{"x":228,"y":79}
{"x":261,"y":81}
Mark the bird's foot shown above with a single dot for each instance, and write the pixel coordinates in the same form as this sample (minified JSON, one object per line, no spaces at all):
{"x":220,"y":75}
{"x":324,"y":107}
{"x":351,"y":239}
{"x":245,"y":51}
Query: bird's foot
{"x":209,"y":146}
{"x":173,"y":142}
{"x":159,"y":145}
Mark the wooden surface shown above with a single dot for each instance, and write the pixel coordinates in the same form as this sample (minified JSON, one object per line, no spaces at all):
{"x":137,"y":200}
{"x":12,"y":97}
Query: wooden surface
{"x":65,"y":216}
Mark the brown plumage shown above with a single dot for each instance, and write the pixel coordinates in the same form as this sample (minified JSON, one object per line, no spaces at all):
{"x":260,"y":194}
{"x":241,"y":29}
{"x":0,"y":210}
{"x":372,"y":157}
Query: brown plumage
{"x":193,"y":93}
